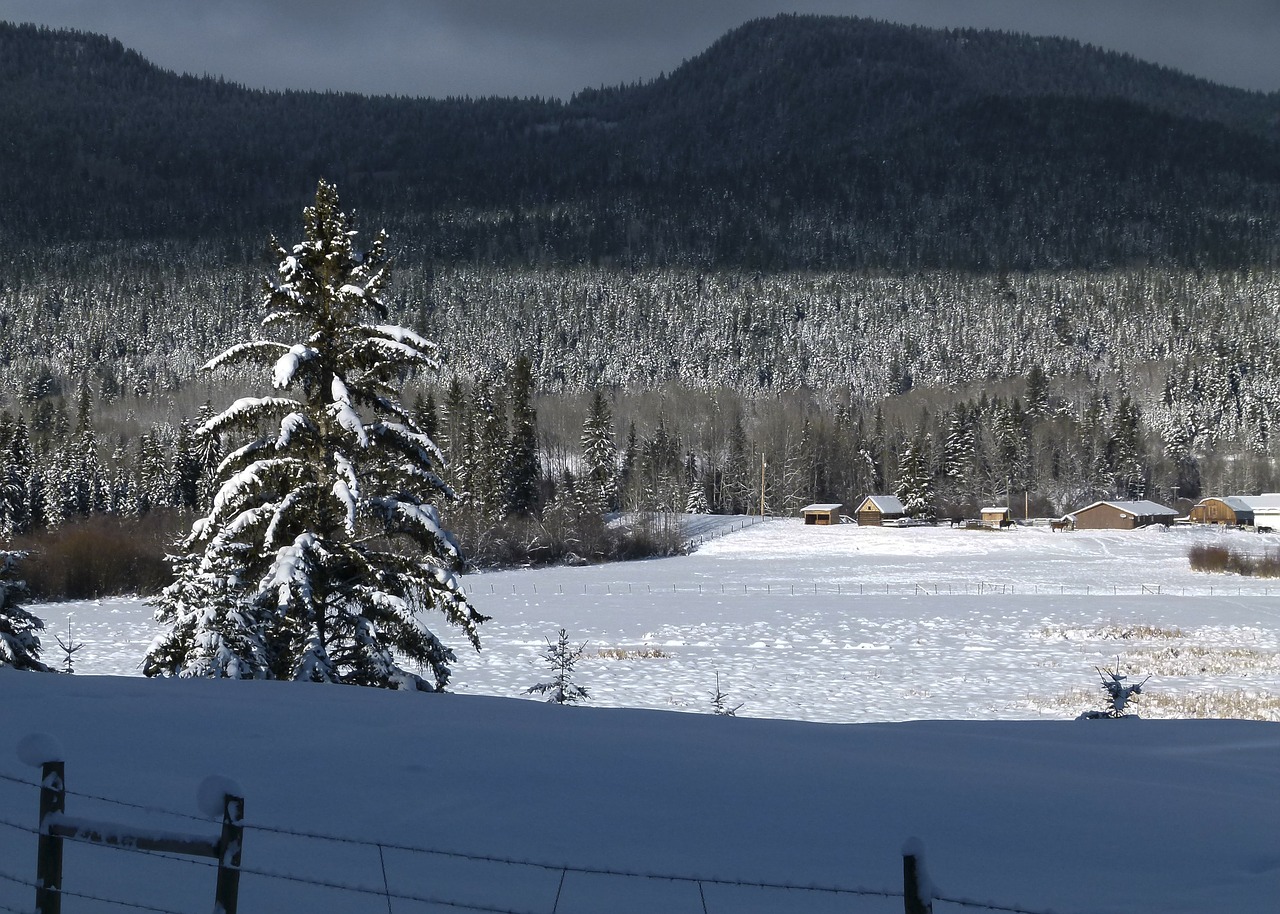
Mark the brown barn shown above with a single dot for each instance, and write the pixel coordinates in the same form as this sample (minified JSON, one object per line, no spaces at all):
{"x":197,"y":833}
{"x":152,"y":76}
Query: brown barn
{"x":1121,"y":515}
{"x":822,"y":515}
{"x":876,"y":509}
{"x":1230,"y":511}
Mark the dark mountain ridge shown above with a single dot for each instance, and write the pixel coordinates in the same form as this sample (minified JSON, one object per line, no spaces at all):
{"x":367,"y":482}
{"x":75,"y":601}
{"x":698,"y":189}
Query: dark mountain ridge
{"x":796,"y":142}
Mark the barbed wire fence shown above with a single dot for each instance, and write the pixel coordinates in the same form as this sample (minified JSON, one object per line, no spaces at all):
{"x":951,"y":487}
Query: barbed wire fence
{"x":914,"y":896}
{"x":844,"y":588}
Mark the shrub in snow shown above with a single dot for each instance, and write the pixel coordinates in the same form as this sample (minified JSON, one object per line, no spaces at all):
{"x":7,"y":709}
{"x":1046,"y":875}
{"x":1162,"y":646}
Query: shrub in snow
{"x":561,"y":657}
{"x":321,"y":551}
{"x":1120,"y":693}
{"x":19,"y":643}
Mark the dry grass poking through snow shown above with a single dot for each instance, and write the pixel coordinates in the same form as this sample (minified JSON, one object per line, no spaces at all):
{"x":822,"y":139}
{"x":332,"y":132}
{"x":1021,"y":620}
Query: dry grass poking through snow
{"x":1233,"y":704}
{"x":1200,"y":660}
{"x":622,"y":653}
{"x":1114,"y":632}
{"x":1171,"y":653}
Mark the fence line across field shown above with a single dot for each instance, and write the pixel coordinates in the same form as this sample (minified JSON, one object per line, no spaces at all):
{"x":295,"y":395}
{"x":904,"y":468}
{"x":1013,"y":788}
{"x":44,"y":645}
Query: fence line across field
{"x":54,"y":826}
{"x":868,"y":589}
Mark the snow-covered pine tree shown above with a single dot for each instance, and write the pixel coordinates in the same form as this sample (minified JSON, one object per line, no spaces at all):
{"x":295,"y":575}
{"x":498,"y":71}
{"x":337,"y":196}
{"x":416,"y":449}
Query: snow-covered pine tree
{"x":696,"y":502}
{"x":915,"y":480}
{"x":561,"y":657}
{"x":600,"y":455}
{"x":19,"y":643}
{"x":321,"y":552}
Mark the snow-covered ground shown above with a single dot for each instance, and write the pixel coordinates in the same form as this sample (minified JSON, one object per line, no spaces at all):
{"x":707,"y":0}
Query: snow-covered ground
{"x":1134,"y":816}
{"x":849,"y":624}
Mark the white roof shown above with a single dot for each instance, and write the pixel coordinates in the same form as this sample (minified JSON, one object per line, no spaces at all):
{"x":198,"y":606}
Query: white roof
{"x":835,"y":507}
{"x":996,"y":510}
{"x":887,"y":504}
{"x":1136,"y":508}
{"x":1269,"y":503}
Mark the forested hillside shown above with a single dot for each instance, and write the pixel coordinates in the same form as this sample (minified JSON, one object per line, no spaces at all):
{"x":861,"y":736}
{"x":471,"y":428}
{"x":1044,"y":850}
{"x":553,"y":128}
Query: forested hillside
{"x":972,"y":264}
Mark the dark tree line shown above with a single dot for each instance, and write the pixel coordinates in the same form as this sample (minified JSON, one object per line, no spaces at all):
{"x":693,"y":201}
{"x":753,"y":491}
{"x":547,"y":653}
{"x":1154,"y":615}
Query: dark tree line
{"x":792,"y":143}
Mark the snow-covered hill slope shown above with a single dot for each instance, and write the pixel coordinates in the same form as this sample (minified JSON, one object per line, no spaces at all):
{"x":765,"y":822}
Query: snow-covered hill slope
{"x":1133,"y":816}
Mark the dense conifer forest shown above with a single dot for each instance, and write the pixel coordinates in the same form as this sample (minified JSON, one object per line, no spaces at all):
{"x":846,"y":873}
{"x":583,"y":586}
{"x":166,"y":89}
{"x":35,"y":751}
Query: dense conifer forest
{"x":827,"y":257}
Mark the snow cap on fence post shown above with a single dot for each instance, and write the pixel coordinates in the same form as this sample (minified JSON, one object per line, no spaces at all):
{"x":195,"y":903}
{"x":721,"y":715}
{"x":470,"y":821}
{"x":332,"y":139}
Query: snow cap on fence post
{"x":917,"y":888}
{"x":211,"y":794}
{"x":36,"y":749}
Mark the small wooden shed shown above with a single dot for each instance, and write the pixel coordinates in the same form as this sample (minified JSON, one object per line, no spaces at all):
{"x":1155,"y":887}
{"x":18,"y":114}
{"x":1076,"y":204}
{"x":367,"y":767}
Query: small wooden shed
{"x":1121,"y":515}
{"x":821,"y":515}
{"x":996,"y":517}
{"x":1230,"y":511}
{"x":876,"y":509}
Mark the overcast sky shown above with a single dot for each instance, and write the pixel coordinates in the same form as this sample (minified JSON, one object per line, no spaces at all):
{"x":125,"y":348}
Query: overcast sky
{"x":556,"y":47}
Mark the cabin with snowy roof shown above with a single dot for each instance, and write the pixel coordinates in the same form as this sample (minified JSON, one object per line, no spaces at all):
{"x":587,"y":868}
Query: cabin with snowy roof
{"x":876,"y":509}
{"x":996,"y":517}
{"x":821,"y":515}
{"x":1232,"y":511}
{"x":1121,"y":515}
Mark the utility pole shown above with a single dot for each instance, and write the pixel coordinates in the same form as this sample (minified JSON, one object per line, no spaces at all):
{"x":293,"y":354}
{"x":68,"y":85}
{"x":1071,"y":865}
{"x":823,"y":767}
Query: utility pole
{"x":762,"y":486}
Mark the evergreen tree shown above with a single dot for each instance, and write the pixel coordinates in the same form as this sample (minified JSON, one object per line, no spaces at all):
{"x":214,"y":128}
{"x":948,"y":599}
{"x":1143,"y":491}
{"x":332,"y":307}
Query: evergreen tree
{"x":561,"y":657}
{"x":738,"y":477}
{"x":186,"y":469}
{"x":915,"y":480}
{"x":628,"y":472}
{"x":488,"y":481}
{"x":696,"y":502}
{"x":600,"y":456}
{"x":524,"y":474}
{"x":959,"y":458}
{"x":1125,"y":454}
{"x":320,"y":548}
{"x":19,"y":642}
{"x":15,"y":480}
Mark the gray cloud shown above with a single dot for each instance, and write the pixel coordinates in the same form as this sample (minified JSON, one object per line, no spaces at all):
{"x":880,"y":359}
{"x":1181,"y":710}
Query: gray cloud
{"x":556,"y":47}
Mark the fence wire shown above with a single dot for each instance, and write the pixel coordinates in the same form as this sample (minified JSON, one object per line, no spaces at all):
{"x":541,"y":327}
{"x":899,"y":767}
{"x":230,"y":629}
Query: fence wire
{"x":137,"y":906}
{"x":563,"y":870}
{"x":871,"y":589}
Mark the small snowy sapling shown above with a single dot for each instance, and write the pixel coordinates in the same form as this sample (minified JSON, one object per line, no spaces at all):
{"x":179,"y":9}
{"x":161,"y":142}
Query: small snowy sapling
{"x":561,"y":657}
{"x":720,"y":702}
{"x":69,"y":648}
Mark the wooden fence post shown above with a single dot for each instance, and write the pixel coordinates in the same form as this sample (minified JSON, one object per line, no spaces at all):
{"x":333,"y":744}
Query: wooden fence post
{"x":53,"y":800}
{"x":230,"y":844}
{"x":917,"y":894}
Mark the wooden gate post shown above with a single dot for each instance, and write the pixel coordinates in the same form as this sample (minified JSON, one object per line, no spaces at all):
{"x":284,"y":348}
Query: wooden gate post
{"x":230,"y":844}
{"x":917,"y":892}
{"x":53,"y":800}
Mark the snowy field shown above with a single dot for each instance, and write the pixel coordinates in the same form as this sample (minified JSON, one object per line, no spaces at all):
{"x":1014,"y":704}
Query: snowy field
{"x":849,"y":624}
{"x":435,"y":798}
